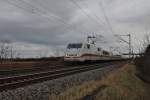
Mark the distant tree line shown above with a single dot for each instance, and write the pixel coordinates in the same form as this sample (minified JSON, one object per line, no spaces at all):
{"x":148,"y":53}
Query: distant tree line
{"x":37,"y":59}
{"x":5,"y":50}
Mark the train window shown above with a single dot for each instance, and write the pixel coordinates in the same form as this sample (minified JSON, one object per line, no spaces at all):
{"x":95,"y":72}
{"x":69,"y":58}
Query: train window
{"x":105,"y":53}
{"x":75,"y":45}
{"x":98,"y":49}
{"x":88,"y":46}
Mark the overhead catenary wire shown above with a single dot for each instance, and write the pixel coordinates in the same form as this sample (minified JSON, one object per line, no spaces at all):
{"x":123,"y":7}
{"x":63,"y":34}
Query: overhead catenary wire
{"x":35,"y":11}
{"x":98,"y":17}
{"x":44,"y":9}
{"x":18,"y":6}
{"x":85,"y":13}
{"x":106,"y":18}
{"x":59,"y":18}
{"x":108,"y":21}
{"x":95,"y":15}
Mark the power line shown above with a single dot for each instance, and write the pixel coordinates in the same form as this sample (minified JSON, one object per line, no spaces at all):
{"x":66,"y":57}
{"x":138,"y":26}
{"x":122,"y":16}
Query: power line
{"x":127,"y":42}
{"x":106,"y":18}
{"x":96,"y":16}
{"x":88,"y":16}
{"x":14,"y":4}
{"x":44,"y":7}
{"x":37,"y":11}
{"x":34,"y":11}
{"x":58,"y":17}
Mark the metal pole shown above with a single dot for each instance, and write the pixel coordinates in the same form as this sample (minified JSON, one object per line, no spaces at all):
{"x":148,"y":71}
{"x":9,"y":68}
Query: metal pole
{"x":128,"y":42}
{"x":130,"y":46}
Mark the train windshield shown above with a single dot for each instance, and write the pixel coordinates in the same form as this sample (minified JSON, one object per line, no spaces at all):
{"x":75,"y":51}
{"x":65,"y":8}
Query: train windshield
{"x":74,"y":46}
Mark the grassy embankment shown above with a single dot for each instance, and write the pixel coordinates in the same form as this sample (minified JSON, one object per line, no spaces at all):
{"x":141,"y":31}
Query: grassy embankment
{"x":121,"y":84}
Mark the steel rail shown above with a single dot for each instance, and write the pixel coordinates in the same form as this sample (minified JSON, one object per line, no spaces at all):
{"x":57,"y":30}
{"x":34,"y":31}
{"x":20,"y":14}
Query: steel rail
{"x":23,"y":80}
{"x":26,"y":70}
{"x":62,"y":69}
{"x":18,"y":77}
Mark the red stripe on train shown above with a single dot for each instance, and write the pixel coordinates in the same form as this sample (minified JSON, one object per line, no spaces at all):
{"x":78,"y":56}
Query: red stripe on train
{"x":86,"y":54}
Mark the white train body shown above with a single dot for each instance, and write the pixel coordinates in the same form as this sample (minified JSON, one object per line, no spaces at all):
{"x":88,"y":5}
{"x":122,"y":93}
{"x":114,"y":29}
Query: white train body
{"x":86,"y":52}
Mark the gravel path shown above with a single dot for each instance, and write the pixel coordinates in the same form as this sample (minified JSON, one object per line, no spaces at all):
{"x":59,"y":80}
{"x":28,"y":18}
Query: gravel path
{"x":41,"y":91}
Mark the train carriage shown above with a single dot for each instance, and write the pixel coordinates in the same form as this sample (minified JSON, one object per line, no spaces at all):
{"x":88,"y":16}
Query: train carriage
{"x":85,"y":52}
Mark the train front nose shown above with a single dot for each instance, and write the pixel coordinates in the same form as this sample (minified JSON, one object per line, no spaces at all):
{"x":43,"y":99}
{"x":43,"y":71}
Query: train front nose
{"x":72,"y":56}
{"x":73,"y":52}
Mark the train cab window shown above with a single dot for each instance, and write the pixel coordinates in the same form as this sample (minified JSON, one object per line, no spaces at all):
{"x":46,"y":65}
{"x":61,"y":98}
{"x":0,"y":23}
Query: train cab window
{"x":75,"y":46}
{"x":105,"y":53}
{"x":98,"y":49}
{"x":88,"y":46}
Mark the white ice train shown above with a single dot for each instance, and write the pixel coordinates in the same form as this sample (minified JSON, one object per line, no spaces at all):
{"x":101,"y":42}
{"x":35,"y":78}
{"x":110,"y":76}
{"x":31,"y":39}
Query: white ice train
{"x":81,"y":52}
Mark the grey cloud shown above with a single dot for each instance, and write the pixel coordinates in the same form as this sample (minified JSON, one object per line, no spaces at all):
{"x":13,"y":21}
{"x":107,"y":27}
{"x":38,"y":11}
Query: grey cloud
{"x":47,"y":23}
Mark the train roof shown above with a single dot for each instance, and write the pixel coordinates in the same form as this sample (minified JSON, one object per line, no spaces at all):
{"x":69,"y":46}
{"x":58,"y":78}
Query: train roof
{"x":81,"y":43}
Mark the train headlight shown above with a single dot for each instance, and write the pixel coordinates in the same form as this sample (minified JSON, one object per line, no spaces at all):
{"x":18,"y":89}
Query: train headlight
{"x":78,"y":54}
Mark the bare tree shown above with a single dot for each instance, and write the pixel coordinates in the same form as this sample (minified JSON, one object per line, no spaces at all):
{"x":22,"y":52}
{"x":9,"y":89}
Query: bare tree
{"x":146,"y":39}
{"x":6,"y":51}
{"x":3,"y":51}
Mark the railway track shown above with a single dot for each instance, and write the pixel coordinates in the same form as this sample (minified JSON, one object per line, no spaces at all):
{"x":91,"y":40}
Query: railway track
{"x":13,"y":82}
{"x":36,"y":69}
{"x":40,"y":68}
{"x":10,"y":72}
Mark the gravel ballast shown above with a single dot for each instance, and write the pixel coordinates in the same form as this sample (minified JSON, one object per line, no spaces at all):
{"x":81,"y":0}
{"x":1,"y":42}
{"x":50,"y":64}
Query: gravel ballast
{"x":41,"y":91}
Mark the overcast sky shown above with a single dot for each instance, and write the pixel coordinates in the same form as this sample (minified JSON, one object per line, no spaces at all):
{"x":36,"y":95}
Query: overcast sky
{"x":44,"y":25}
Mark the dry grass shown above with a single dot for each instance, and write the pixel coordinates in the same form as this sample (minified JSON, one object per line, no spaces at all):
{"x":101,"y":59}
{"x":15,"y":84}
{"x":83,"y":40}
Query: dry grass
{"x":77,"y":92}
{"x":122,"y":84}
